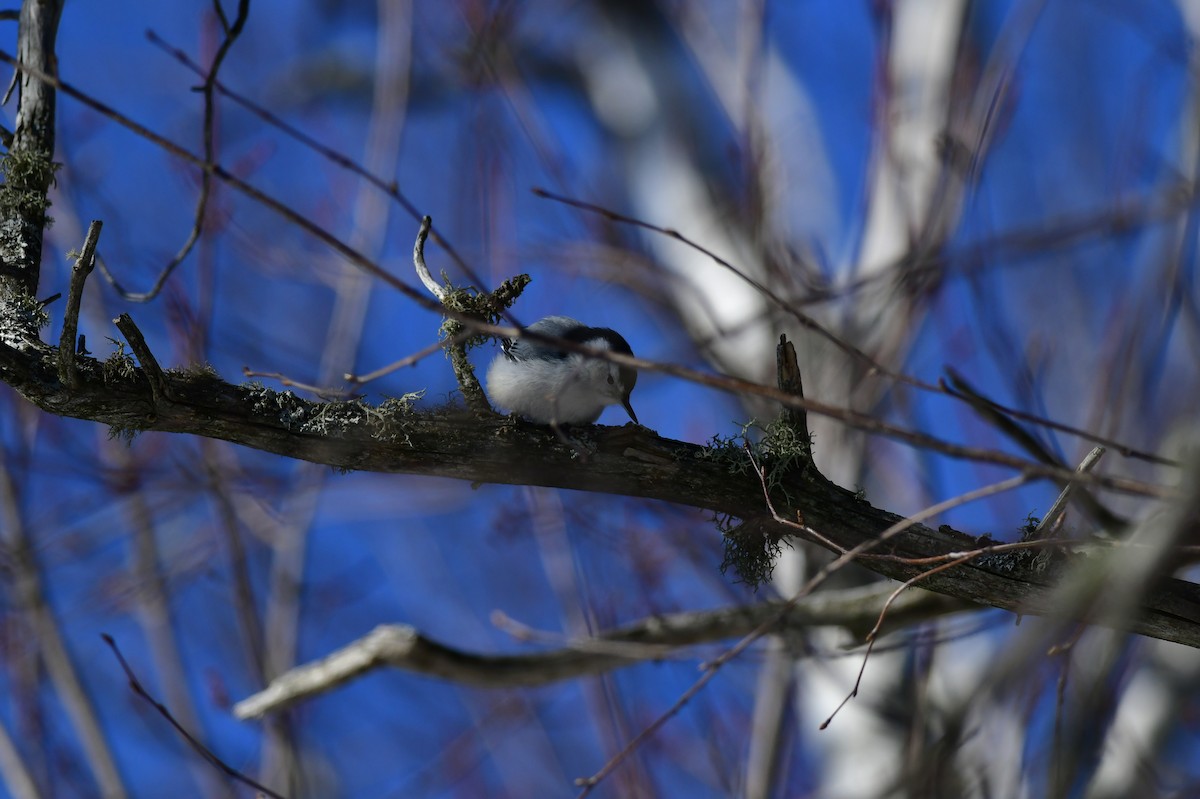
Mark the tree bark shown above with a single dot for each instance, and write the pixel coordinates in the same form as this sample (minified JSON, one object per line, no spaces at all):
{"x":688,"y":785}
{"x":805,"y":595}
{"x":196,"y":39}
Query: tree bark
{"x":29,"y":167}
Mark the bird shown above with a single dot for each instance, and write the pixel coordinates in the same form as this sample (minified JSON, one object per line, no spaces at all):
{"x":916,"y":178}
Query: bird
{"x":550,"y":386}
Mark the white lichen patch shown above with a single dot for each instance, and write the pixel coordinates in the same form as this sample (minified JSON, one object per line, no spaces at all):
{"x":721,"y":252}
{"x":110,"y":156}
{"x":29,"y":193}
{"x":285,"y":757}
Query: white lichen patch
{"x":383,"y":422}
{"x":21,"y":317}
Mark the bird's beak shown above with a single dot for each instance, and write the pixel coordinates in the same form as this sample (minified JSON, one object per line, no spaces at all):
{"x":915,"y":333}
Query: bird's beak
{"x":629,"y":409}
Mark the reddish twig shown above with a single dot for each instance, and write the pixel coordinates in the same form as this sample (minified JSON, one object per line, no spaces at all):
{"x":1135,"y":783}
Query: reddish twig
{"x":711,"y":667}
{"x":136,"y":686}
{"x":791,"y":307}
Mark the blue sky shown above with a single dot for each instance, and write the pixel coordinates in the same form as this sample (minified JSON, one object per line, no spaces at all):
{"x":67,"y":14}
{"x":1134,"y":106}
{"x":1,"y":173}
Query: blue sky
{"x":1095,"y":330}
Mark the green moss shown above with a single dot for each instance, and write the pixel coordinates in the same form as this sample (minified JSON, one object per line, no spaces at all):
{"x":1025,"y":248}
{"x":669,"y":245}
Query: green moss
{"x":118,"y":366}
{"x":486,"y":307}
{"x":777,"y":448}
{"x":780,"y":451}
{"x":27,"y":175}
{"x":751,"y":550}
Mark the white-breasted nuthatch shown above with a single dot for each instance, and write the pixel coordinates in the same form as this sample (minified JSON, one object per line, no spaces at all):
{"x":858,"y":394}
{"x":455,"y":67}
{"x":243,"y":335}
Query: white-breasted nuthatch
{"x":550,"y":386}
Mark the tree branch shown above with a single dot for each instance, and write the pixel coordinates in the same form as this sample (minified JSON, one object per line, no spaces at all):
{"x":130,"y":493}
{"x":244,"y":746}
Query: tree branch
{"x":403,"y":647}
{"x":29,"y":167}
{"x":392,"y":437}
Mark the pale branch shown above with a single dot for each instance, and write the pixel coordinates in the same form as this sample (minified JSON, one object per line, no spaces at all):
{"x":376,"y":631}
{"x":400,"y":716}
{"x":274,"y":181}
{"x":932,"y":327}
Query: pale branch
{"x":1049,"y":523}
{"x":655,"y":638}
{"x":435,"y":288}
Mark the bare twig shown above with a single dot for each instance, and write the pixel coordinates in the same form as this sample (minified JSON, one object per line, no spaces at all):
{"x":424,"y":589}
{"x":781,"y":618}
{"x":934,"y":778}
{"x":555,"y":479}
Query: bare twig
{"x":434,"y":287}
{"x":988,"y":410}
{"x":66,"y":342}
{"x":354,"y":379}
{"x":232,"y":31}
{"x":388,"y":187}
{"x":154,"y":604}
{"x":408,"y":360}
{"x":150,"y":367}
{"x":324,"y":393}
{"x":1047,"y":524}
{"x":872,"y":636}
{"x":136,"y":686}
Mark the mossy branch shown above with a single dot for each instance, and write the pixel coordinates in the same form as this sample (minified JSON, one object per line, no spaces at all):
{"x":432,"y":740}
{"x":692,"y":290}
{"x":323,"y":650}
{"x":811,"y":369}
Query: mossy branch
{"x":486,"y":306}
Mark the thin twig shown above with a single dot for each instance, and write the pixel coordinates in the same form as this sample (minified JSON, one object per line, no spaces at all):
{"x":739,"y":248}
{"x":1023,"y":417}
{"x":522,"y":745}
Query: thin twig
{"x":136,"y":686}
{"x":323,"y":393}
{"x":791,"y":308}
{"x":1048,"y":522}
{"x":231,"y":31}
{"x":79,"y":274}
{"x":388,"y":187}
{"x":419,"y":260}
{"x":872,"y":636}
{"x":808,"y":532}
{"x":408,"y":360}
{"x":962,"y":390}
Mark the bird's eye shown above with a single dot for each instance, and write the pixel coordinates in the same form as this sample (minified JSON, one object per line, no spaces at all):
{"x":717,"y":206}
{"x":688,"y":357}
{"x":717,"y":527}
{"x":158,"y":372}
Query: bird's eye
{"x":610,"y":380}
